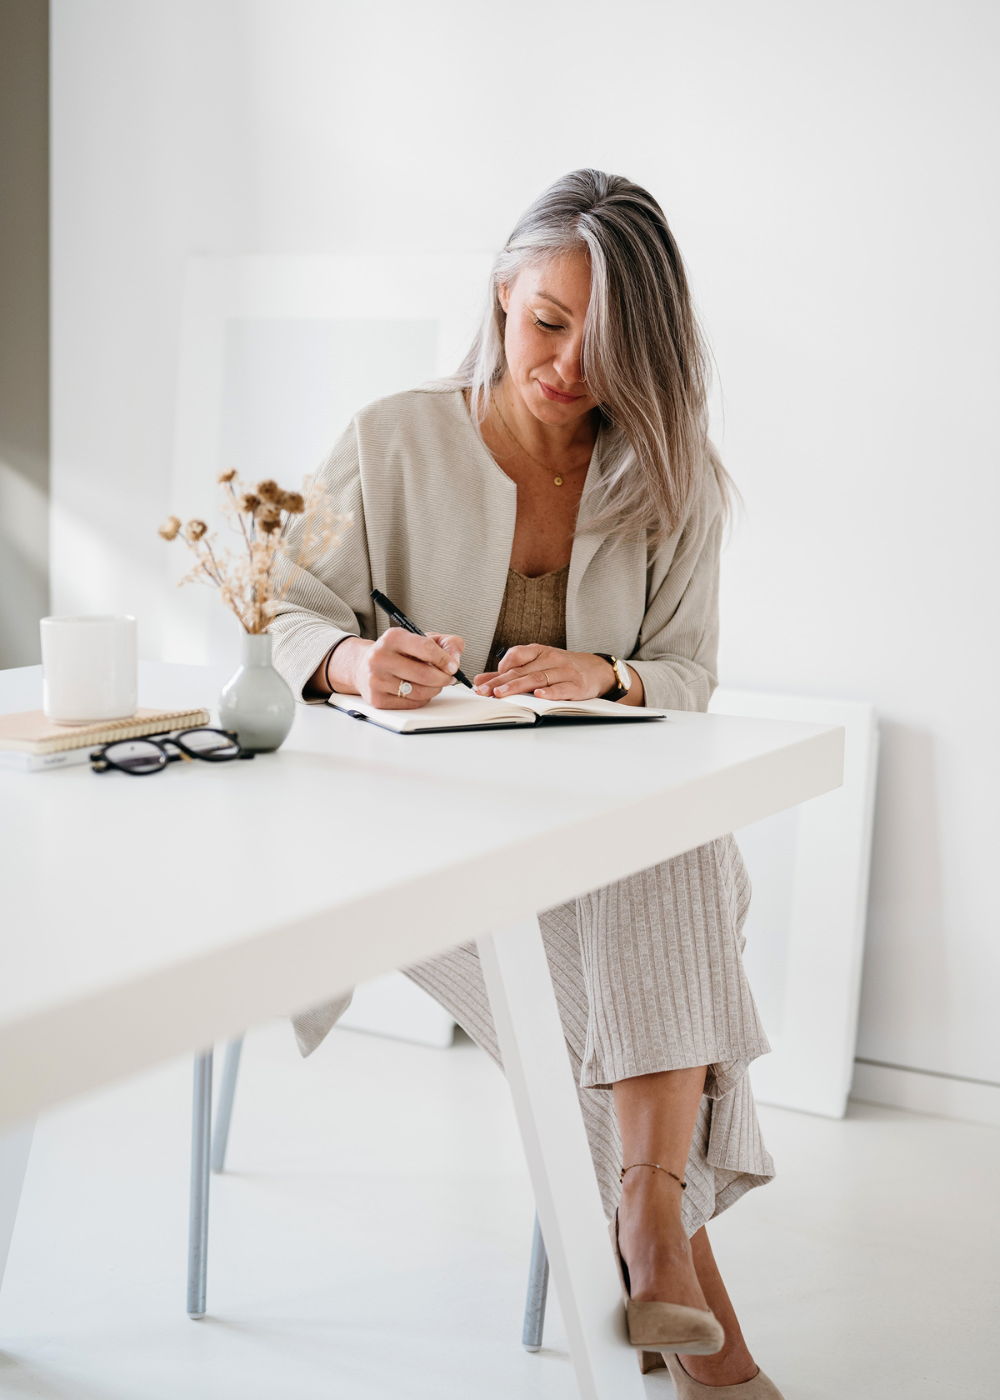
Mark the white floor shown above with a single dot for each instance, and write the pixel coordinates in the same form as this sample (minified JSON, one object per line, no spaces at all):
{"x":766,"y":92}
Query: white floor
{"x":371,"y":1241}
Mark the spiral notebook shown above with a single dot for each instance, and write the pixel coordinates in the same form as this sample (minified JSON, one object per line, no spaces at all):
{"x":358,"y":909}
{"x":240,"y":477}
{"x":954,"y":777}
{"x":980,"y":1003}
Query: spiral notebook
{"x":459,"y":708}
{"x":31,"y":742}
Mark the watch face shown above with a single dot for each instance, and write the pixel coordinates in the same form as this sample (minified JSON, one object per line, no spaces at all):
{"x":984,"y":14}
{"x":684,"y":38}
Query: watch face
{"x":624,"y":675}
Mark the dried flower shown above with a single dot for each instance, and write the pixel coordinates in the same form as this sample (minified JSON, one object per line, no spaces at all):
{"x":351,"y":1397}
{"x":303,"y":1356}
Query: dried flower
{"x":268,"y":519}
{"x":253,"y":581}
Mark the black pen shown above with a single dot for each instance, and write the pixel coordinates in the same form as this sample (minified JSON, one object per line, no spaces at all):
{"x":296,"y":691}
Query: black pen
{"x":401,"y":620}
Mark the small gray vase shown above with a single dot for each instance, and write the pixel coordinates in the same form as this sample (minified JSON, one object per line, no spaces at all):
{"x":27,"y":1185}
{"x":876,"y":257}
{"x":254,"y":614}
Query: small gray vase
{"x":255,"y":701}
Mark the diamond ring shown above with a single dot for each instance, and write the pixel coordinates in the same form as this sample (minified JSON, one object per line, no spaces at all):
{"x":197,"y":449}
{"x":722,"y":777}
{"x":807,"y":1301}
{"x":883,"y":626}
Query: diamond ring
{"x":404,"y":689}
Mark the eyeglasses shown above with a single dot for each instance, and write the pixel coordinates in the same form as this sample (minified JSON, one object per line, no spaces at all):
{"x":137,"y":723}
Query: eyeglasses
{"x":152,"y":754}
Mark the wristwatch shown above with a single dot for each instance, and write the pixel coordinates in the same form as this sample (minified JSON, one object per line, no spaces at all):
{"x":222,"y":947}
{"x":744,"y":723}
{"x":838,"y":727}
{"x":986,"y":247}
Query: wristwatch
{"x":623,"y":677}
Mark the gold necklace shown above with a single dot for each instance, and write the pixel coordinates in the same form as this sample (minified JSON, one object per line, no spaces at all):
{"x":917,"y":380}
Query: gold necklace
{"x":557,"y":480}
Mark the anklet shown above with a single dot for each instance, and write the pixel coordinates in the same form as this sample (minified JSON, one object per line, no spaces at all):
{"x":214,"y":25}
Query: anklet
{"x":656,"y":1167}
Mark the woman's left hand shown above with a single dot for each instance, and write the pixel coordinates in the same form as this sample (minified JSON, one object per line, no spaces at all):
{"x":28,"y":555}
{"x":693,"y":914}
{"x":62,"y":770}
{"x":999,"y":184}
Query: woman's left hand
{"x":549,"y":673}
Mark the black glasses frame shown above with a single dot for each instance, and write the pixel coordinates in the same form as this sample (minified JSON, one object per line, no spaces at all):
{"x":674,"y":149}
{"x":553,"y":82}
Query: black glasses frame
{"x":178,"y":751}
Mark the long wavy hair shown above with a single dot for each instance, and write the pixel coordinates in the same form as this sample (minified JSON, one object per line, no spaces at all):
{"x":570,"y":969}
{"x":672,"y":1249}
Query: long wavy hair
{"x":644,"y":357}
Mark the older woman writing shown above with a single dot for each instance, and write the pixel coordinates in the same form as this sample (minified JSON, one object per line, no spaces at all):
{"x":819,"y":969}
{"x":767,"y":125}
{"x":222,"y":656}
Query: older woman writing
{"x":558,"y":508}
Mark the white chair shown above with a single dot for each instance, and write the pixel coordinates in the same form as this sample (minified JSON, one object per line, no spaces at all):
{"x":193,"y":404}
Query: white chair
{"x":208,"y":1154}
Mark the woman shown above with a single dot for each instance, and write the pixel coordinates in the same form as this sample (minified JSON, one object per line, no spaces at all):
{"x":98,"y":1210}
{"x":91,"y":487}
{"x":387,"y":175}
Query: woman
{"x":558,"y":508}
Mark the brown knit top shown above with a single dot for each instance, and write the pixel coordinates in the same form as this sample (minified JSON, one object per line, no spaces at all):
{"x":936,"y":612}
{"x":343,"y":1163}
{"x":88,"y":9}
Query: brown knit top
{"x":533,"y":610}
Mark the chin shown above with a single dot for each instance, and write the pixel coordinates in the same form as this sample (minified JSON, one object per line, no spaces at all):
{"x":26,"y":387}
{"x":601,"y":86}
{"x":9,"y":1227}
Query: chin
{"x":548,"y":411}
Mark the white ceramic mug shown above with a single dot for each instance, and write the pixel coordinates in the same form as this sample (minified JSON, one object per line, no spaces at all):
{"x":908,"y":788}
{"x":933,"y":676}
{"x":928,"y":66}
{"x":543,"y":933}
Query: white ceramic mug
{"x":88,"y":668}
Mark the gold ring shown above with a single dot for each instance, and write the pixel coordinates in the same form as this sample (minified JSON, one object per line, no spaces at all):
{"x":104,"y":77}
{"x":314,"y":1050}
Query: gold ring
{"x":546,"y":675}
{"x":404,"y":689}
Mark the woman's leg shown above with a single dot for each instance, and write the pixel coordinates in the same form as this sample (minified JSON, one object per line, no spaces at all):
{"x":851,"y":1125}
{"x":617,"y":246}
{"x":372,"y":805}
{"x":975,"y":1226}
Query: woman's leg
{"x":646,"y":973}
{"x":733,"y":1364}
{"x":657,"y":1115}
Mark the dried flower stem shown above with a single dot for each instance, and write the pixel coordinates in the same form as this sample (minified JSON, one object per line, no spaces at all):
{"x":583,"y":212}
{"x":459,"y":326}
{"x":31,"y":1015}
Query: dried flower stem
{"x":236,"y":511}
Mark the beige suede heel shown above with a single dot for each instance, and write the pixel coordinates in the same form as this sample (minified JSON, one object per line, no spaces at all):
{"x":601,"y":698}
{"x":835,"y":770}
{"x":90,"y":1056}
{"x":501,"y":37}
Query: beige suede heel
{"x":666,"y":1326}
{"x":687,"y":1388}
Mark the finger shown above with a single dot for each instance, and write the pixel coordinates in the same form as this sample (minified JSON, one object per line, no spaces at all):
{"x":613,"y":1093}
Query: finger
{"x":407,"y":668}
{"x":565,"y":690}
{"x":425,"y":649}
{"x":449,"y":643}
{"x":516,"y":657}
{"x":397,"y":650}
{"x":485,"y":682}
{"x":432,"y":651}
{"x":550,"y":674}
{"x":390,"y":699}
{"x":522,"y":685}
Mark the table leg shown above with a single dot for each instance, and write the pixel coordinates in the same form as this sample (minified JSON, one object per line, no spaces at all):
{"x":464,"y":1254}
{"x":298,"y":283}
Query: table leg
{"x":15,"y":1148}
{"x":562,"y":1173}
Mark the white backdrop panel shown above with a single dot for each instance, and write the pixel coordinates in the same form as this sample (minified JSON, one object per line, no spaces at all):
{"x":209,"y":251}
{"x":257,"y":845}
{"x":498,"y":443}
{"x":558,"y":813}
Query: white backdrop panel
{"x":806,"y":926}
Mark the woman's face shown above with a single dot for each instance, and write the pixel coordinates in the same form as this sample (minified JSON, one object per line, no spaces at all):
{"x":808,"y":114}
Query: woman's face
{"x":546,"y":307}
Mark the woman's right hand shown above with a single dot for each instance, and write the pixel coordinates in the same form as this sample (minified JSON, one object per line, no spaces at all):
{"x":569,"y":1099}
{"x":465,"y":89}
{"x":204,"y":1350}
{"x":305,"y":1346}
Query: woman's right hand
{"x":374,"y":670}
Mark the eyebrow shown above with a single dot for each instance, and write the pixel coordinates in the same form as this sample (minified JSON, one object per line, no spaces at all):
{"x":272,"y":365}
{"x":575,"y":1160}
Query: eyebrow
{"x":546,"y":296}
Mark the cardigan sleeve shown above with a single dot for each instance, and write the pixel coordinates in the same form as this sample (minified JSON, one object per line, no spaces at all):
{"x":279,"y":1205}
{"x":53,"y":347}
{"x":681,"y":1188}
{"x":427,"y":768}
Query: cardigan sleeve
{"x":678,"y":645}
{"x":312,"y":615}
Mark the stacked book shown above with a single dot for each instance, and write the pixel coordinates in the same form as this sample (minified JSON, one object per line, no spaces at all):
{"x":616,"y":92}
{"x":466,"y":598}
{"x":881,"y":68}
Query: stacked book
{"x":31,"y":742}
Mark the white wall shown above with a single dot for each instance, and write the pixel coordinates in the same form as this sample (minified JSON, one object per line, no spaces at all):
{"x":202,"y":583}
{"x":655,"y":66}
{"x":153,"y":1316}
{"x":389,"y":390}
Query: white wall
{"x":829,"y":172}
{"x":150,"y":161}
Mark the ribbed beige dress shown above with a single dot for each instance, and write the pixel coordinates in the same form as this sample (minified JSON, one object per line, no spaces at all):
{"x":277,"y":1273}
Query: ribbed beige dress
{"x":648,"y":976}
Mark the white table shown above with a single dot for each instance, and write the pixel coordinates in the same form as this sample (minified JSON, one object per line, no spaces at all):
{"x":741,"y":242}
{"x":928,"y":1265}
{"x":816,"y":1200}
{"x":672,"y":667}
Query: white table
{"x":147,"y":917}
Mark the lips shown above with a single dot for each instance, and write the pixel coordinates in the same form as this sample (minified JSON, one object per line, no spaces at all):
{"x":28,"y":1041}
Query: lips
{"x":555,"y":395}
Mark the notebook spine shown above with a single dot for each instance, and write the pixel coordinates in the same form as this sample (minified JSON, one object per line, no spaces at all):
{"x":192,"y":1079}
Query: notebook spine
{"x":40,"y":762}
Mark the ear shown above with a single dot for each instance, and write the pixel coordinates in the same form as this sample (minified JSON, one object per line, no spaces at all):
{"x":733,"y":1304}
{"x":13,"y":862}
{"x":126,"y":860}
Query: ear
{"x":503,"y":296}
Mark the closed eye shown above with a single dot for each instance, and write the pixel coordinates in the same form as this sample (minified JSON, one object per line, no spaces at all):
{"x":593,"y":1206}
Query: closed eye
{"x":546,"y":325}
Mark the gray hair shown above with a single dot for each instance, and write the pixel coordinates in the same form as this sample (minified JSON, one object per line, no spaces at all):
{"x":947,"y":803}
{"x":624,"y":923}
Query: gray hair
{"x":644,"y":358}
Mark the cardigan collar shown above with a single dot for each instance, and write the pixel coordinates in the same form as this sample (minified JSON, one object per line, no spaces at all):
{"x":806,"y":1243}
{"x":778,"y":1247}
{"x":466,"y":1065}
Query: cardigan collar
{"x":494,"y":560}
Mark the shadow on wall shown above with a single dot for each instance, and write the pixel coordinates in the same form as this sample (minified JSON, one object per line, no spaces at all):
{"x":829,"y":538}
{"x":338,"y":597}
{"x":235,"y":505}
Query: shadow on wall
{"x":904,"y":995}
{"x":24,"y":328}
{"x":24,"y":565}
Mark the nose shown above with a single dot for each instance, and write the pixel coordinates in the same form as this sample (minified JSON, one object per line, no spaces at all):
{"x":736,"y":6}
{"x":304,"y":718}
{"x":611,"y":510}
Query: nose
{"x":568,"y":362}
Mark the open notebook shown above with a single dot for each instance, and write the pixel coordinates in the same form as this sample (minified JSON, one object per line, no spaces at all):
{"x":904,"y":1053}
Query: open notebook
{"x":459,"y":708}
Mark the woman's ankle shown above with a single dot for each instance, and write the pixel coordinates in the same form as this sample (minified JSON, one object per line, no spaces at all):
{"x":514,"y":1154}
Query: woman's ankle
{"x":655,"y":1202}
{"x":657,"y":1252}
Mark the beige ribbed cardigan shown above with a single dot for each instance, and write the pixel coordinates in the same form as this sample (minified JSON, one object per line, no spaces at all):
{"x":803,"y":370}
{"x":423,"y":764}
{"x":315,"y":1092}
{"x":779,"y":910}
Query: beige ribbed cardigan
{"x":433,"y":528}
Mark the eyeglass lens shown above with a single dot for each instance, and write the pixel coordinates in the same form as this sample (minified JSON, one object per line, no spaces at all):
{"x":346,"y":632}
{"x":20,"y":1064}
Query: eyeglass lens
{"x":136,"y":755}
{"x":209,"y":742}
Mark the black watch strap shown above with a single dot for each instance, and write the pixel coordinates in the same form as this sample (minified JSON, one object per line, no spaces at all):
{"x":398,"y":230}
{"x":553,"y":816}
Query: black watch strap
{"x":617,"y":690}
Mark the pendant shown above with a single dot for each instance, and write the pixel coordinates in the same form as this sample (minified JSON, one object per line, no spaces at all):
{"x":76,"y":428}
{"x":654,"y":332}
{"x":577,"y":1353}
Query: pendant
{"x":557,"y":480}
